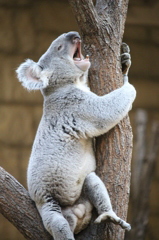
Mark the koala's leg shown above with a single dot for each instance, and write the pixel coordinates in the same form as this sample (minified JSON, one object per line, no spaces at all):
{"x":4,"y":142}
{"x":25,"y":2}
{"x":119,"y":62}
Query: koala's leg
{"x":97,"y":193}
{"x":54,"y":221}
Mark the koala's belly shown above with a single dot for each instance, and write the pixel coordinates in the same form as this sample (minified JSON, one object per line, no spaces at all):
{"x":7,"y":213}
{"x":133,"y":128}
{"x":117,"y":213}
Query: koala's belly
{"x":69,"y":181}
{"x":63,"y":178}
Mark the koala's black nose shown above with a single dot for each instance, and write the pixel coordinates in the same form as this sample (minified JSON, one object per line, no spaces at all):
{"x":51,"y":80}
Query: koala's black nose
{"x":70,"y":36}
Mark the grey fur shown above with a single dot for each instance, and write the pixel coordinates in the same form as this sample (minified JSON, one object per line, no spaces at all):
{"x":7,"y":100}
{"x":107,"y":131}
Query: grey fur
{"x":61,"y":177}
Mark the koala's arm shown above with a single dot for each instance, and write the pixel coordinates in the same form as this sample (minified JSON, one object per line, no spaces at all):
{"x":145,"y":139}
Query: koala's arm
{"x":101,"y":113}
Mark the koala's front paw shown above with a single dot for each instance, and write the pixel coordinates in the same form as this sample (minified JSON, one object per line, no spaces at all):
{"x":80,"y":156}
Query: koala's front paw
{"x":111,"y":216}
{"x":125,"y":58}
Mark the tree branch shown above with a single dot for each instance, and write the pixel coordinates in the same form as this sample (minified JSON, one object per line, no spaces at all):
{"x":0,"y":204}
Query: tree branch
{"x":17,"y":206}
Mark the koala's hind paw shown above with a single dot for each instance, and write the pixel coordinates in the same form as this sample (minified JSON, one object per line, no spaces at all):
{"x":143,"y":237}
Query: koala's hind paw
{"x":110,"y":215}
{"x":124,"y":225}
{"x":125,"y":58}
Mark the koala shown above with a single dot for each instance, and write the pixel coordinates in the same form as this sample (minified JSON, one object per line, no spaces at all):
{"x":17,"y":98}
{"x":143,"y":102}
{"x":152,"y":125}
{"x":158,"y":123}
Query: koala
{"x":61,"y":172}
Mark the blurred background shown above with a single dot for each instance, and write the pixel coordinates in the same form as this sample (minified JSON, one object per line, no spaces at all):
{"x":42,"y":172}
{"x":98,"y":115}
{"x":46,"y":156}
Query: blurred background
{"x":26,"y":30}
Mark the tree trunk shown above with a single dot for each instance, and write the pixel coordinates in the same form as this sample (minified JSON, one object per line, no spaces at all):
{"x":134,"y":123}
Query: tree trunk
{"x":102,"y":28}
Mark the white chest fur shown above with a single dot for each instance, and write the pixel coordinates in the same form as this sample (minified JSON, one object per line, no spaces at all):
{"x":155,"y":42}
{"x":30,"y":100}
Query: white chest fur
{"x":81,"y":84}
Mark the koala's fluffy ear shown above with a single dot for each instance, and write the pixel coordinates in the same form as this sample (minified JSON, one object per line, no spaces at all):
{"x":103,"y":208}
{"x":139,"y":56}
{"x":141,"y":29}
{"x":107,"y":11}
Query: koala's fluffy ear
{"x":32,"y":76}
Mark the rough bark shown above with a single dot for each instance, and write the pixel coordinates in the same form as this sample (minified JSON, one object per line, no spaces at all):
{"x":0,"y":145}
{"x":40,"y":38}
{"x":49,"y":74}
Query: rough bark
{"x":102,"y":29}
{"x":146,"y":150}
{"x":19,"y":209}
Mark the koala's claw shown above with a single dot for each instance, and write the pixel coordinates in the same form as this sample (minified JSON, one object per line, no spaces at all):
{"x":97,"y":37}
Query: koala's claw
{"x":125,"y":48}
{"x":113,"y":218}
{"x":125,"y":58}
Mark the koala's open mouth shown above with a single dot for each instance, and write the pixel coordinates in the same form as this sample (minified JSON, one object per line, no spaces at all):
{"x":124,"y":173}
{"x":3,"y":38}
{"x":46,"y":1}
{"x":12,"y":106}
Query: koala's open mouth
{"x":79,"y":60}
{"x":77,"y":56}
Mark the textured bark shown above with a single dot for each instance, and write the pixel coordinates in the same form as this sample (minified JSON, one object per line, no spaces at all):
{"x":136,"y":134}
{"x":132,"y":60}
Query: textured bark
{"x":145,"y":155}
{"x":102,"y":28}
{"x":19,"y":209}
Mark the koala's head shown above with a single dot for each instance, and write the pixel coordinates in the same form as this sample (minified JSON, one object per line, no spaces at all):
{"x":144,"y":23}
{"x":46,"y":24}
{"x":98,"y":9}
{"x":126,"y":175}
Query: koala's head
{"x":62,"y":63}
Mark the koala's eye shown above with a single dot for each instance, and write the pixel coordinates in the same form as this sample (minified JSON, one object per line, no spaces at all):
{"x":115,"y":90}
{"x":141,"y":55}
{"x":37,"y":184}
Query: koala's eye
{"x":59,"y":47}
